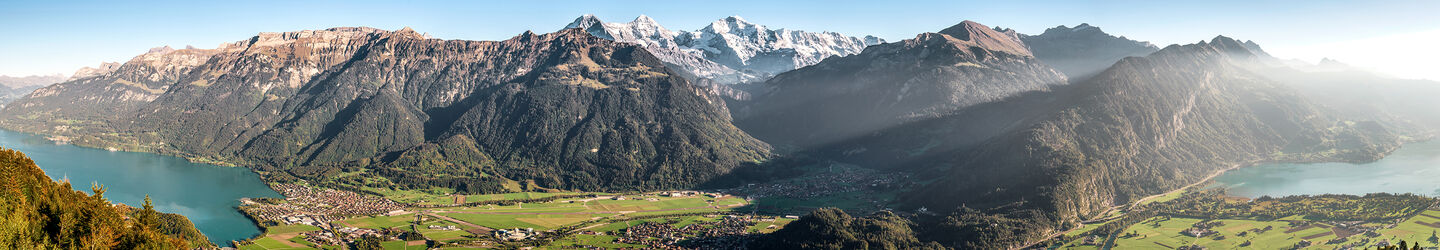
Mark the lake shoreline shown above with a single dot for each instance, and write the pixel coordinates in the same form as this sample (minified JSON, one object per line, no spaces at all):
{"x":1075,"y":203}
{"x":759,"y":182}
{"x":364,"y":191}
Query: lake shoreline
{"x":1406,"y":169}
{"x":207,"y":194}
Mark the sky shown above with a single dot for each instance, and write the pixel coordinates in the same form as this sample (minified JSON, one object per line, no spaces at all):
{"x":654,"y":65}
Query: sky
{"x":1392,"y":37}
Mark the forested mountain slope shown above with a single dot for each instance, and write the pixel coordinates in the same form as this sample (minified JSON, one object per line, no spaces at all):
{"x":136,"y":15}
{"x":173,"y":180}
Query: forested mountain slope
{"x":564,"y":110}
{"x":39,"y":213}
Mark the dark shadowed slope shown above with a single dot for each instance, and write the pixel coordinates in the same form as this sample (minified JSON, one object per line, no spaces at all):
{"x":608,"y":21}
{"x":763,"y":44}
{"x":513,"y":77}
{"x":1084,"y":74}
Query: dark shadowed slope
{"x":892,"y":84}
{"x":1012,"y":171}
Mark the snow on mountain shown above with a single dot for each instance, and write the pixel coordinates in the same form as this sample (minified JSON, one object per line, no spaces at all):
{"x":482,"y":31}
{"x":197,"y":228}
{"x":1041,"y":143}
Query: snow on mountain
{"x":729,"y":50}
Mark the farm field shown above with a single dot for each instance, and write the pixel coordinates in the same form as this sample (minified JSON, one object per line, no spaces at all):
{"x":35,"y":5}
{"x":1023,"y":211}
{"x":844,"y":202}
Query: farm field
{"x":1160,"y":232}
{"x":461,"y":225}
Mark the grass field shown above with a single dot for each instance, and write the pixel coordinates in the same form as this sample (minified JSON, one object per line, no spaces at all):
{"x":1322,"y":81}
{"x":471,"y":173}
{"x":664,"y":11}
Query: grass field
{"x":1412,"y":230}
{"x":764,"y":226}
{"x":269,"y":243}
{"x":536,"y":221}
{"x":1172,"y":195}
{"x":290,"y":229}
{"x":1159,"y":233}
{"x":605,"y":241}
{"x":379,"y":222}
{"x":516,"y":196}
{"x":540,"y":216}
{"x":422,"y":196}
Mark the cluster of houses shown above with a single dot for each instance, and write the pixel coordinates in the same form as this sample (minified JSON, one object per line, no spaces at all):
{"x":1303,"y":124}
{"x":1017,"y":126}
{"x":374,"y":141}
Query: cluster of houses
{"x":447,"y":227}
{"x":347,"y":234}
{"x":331,"y":201}
{"x":317,"y":207}
{"x":515,"y":234}
{"x":727,"y":233}
{"x":354,"y":232}
{"x":673,"y":194}
{"x":322,"y":238}
{"x":691,"y":193}
{"x":1197,"y":232}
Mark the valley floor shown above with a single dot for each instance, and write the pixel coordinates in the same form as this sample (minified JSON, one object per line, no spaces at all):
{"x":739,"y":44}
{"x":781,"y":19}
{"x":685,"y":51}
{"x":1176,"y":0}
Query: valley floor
{"x":1236,"y":223}
{"x":542,"y":220}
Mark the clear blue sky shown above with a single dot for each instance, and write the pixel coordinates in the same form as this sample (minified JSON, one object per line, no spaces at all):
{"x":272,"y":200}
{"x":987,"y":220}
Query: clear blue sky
{"x":47,"y":37}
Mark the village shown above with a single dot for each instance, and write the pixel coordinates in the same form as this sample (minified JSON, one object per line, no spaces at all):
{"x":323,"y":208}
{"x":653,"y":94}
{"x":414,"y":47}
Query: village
{"x":315,"y":217}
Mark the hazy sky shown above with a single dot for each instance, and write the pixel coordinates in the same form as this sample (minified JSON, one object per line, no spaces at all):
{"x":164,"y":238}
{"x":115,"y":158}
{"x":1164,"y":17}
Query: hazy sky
{"x":48,"y":37}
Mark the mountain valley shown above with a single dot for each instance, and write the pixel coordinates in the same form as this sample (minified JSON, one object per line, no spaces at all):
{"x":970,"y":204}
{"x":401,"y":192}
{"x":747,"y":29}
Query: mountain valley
{"x":732,"y":136}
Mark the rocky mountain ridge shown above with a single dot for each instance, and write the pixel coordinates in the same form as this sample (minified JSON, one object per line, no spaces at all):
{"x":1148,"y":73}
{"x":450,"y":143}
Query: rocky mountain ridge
{"x":731,"y":50}
{"x":892,"y":84}
{"x":1084,"y":50}
{"x":560,"y":110}
{"x":1043,"y":160}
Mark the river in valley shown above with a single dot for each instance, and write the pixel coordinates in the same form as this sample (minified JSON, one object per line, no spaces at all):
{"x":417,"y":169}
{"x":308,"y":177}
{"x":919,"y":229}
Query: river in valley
{"x":1414,"y":168}
{"x":205,"y":193}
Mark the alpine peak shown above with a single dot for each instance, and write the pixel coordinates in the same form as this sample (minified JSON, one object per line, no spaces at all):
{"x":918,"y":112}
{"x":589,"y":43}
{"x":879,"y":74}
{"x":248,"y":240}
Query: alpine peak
{"x":643,"y":19}
{"x":980,"y":36}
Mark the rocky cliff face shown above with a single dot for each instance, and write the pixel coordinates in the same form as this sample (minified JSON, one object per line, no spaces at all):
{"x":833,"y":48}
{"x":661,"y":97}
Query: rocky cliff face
{"x":1083,"y":51}
{"x":893,"y":84}
{"x":103,"y":68}
{"x":564,"y":110}
{"x":729,"y":50}
{"x":87,"y":103}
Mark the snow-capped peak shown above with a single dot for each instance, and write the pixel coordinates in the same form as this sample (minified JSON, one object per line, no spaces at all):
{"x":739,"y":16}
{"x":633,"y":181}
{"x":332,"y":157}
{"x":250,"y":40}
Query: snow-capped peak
{"x":729,"y":50}
{"x":733,"y":24}
{"x":643,"y":19}
{"x":584,"y":22}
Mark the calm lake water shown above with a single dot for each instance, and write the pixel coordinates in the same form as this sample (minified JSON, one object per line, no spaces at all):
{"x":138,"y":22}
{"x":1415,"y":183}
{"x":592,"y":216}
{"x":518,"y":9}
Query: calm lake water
{"x":205,"y":193}
{"x":1414,"y":168}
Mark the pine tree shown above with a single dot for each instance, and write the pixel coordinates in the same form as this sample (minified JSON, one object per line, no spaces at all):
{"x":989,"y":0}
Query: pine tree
{"x":147,"y":217}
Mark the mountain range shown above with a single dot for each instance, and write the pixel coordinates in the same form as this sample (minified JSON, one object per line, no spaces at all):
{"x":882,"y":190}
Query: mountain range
{"x":12,"y":88}
{"x":1083,"y":51}
{"x":730,"y":50}
{"x":561,"y":110}
{"x":1015,"y":137}
{"x":1013,"y":166}
{"x":894,"y":83}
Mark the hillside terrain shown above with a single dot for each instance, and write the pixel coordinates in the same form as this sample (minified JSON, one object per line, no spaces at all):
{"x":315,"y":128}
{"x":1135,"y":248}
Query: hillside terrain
{"x":38,"y":213}
{"x":970,"y":137}
{"x":562,"y":110}
{"x":1039,"y":162}
{"x":892,"y":84}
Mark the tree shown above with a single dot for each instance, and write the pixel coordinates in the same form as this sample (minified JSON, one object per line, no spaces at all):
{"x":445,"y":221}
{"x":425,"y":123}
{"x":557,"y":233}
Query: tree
{"x":368,"y":242}
{"x":147,"y":217}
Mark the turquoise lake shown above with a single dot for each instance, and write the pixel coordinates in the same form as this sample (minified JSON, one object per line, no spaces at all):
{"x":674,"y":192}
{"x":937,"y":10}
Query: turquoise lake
{"x":1414,"y":168}
{"x":205,"y":193}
